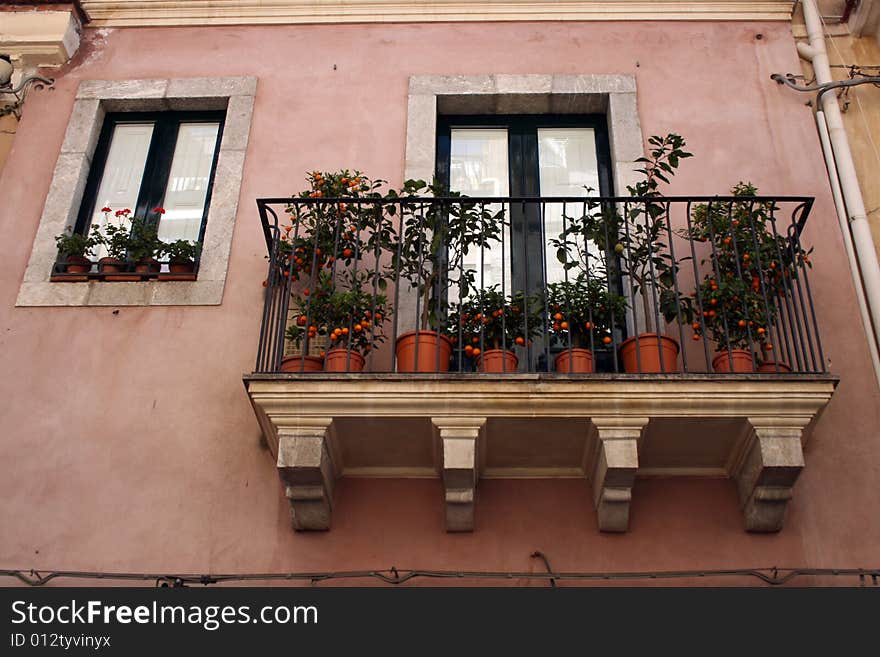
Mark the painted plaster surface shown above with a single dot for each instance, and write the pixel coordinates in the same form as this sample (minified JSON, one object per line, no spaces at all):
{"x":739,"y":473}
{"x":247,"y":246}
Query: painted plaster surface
{"x":127,"y":439}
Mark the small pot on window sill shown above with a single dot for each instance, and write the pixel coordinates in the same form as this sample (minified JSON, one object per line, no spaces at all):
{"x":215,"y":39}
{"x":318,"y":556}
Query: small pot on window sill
{"x":114,"y":270}
{"x":110,"y":265}
{"x":147,"y":266}
{"x":77,"y":264}
{"x":181,"y":266}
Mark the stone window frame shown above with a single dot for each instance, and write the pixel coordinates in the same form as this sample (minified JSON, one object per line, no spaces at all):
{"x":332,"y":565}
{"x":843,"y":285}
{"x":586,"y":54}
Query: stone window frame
{"x":96,"y":98}
{"x":430,"y":95}
{"x":612,"y":95}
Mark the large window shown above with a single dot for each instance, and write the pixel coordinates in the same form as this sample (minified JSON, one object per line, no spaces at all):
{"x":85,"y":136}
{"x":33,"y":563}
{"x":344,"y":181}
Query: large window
{"x":162,"y":159}
{"x":524,"y":156}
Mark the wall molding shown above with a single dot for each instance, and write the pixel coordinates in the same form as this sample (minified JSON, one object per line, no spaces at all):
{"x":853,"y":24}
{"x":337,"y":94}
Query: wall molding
{"x":130,"y":13}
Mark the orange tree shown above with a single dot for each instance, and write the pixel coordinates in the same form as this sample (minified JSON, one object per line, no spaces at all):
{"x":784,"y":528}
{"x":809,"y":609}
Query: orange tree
{"x":321,"y":233}
{"x":488,"y":319}
{"x":435,"y":236}
{"x":582,"y":311}
{"x":311,"y":311}
{"x":355,"y":316}
{"x":748,"y":266}
{"x":347,"y":312}
{"x":634,"y":241}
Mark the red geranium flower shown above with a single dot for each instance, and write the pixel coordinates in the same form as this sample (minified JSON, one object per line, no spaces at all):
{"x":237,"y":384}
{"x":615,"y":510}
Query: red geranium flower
{"x":106,"y":209}
{"x":159,"y":210}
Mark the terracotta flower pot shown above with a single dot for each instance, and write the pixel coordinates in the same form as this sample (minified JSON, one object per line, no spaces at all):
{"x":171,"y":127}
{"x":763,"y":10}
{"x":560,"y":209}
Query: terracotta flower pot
{"x":575,"y":361}
{"x":343,"y":360}
{"x":434,"y":351}
{"x":181,"y":266}
{"x":109,"y":265}
{"x":743,"y":361}
{"x":497,"y":360}
{"x":771,"y":365}
{"x":77,"y":264}
{"x":302,"y":364}
{"x":147,"y":266}
{"x":646,"y":356}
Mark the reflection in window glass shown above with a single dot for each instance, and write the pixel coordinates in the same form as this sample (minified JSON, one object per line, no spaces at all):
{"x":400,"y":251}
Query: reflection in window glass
{"x":123,"y":172}
{"x":478,"y":166}
{"x":567,"y":166}
{"x":188,"y":182}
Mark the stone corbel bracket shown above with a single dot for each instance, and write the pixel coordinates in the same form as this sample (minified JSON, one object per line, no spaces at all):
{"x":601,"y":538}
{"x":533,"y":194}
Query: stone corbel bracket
{"x":307,"y":471}
{"x":459,"y":441}
{"x":765,"y":477}
{"x":612,"y":460}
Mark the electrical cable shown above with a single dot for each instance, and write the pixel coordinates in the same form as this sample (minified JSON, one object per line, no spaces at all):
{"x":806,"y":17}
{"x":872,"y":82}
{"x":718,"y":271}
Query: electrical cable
{"x":773,"y":576}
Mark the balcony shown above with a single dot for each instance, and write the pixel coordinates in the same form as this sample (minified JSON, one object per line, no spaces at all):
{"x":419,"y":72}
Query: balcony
{"x":605,"y":338}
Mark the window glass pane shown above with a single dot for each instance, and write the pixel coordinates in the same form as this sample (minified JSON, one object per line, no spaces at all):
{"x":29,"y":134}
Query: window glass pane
{"x":567,"y":165}
{"x":188,"y":182}
{"x":123,"y":172}
{"x":478,"y":166}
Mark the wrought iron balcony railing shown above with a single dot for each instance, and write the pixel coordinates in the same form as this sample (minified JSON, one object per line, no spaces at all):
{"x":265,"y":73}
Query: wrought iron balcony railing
{"x":575,"y":285}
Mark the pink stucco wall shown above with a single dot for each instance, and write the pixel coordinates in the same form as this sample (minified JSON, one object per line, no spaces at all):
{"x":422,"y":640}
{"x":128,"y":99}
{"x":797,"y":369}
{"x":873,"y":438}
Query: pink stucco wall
{"x":128,"y":442}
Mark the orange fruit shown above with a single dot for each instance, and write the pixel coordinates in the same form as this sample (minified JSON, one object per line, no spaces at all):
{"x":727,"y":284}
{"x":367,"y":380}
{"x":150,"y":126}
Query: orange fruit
{"x":588,"y":325}
{"x":768,"y":346}
{"x":520,"y":341}
{"x":557,"y":316}
{"x":347,"y":253}
{"x":696,"y":336}
{"x":564,"y":326}
{"x":476,"y":352}
{"x":607,"y":339}
{"x":742,"y":323}
{"x":358,"y":328}
{"x":761,"y":330}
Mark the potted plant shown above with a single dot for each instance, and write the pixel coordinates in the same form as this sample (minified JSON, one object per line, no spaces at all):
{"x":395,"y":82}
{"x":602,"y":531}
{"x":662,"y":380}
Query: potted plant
{"x":307,"y":333}
{"x":144,"y":244}
{"x":114,"y":237}
{"x":581,"y":313}
{"x":488,"y":327}
{"x":435,"y":237}
{"x":321,"y":234}
{"x":748,"y":266}
{"x":642,"y":254}
{"x":324,"y":244}
{"x":355,"y":318}
{"x":182,"y":256}
{"x":75,"y":248}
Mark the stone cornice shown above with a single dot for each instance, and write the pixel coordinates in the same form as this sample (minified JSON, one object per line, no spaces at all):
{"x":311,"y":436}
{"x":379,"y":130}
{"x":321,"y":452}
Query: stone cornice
{"x":532,"y":395}
{"x":122,"y":13}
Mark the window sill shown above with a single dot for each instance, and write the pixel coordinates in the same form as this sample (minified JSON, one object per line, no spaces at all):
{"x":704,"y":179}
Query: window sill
{"x":121,"y":278}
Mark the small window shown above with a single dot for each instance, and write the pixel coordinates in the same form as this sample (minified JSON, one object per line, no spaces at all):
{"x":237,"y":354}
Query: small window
{"x":150,"y":160}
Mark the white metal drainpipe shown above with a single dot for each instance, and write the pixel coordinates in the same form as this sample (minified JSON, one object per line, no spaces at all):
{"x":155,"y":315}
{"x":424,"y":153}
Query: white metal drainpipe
{"x":841,"y":165}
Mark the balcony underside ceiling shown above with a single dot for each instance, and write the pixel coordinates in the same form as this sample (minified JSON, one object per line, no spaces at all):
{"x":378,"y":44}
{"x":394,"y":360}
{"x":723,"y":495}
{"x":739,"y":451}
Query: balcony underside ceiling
{"x":608,"y":429}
